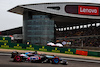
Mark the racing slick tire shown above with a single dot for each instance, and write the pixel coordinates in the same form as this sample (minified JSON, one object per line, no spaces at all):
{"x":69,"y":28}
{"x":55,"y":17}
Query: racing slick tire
{"x":17,"y":58}
{"x":55,"y":60}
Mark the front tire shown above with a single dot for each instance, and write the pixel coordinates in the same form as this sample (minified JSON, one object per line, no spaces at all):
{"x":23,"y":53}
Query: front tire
{"x":55,"y":60}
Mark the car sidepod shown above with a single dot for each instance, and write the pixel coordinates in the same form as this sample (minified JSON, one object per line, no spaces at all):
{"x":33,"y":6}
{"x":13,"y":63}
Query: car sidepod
{"x":35,"y":59}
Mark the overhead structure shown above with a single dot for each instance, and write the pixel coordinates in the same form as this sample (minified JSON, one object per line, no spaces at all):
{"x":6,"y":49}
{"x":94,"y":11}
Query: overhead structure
{"x":39,"y":20}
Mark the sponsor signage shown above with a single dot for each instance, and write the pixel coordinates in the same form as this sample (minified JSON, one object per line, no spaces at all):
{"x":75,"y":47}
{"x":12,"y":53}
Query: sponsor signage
{"x":80,"y":52}
{"x":5,"y":45}
{"x":30,"y":47}
{"x":83,"y":10}
{"x":56,"y":50}
{"x":69,"y":51}
{"x":5,"y":39}
{"x":88,"y":10}
{"x":42,"y":49}
{"x":18,"y":46}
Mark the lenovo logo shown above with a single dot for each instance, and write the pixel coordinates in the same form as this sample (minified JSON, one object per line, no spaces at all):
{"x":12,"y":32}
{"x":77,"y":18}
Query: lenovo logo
{"x":88,"y":10}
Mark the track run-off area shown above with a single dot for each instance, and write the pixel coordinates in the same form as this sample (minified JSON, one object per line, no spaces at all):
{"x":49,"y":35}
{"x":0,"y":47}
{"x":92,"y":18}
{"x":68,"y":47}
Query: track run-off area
{"x":6,"y":61}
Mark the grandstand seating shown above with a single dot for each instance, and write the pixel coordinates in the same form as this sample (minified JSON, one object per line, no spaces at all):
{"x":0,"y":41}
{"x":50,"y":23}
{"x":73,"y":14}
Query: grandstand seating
{"x":89,"y":37}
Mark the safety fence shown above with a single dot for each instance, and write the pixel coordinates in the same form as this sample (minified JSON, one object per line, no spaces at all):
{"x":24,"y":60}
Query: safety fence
{"x":5,"y":42}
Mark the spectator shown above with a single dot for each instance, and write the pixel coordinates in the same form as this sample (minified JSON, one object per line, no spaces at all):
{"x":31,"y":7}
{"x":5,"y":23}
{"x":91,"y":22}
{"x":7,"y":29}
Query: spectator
{"x":64,"y":42}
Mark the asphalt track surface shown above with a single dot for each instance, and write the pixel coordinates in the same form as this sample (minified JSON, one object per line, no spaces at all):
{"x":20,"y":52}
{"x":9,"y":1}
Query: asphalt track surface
{"x":6,"y":61}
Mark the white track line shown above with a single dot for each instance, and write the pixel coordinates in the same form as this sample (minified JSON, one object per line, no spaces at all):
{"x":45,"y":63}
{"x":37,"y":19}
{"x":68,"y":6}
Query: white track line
{"x":5,"y":54}
{"x":85,"y":60}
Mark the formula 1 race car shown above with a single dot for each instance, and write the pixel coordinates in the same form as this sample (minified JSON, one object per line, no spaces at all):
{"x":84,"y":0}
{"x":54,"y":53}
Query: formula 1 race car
{"x":36,"y":57}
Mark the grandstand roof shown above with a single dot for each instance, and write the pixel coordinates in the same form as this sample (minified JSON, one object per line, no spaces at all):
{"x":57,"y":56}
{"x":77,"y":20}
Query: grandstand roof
{"x":12,"y":31}
{"x":61,"y":14}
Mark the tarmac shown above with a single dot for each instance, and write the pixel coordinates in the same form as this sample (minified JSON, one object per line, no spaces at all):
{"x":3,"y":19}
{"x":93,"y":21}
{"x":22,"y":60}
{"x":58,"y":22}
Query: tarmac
{"x":51,"y":53}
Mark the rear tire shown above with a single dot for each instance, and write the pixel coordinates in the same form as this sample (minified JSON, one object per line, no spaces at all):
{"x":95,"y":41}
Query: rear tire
{"x":17,"y":58}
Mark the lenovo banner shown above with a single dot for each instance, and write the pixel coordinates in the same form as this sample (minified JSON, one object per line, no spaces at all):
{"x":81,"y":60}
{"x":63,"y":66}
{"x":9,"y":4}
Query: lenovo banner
{"x":88,"y":10}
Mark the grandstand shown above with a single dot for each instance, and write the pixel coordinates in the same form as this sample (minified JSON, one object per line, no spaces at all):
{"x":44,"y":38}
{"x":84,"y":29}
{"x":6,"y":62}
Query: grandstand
{"x":88,"y":35}
{"x":76,"y":23}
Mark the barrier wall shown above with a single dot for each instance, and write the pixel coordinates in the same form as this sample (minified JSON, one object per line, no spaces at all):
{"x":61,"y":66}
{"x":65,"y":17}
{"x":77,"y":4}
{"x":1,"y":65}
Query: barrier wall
{"x":80,"y":52}
{"x":90,"y":53}
{"x":39,"y":48}
{"x":5,"y":42}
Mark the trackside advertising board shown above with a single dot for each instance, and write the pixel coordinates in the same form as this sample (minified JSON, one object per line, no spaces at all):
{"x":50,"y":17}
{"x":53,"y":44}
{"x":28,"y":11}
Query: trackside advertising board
{"x":6,"y":43}
{"x":80,"y":52}
{"x":83,"y":10}
{"x":5,"y":39}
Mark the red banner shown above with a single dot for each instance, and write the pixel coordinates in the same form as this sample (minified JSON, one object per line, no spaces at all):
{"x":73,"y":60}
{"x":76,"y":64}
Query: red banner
{"x":88,"y":10}
{"x":80,"y":52}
